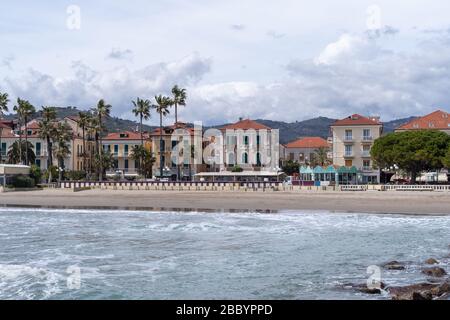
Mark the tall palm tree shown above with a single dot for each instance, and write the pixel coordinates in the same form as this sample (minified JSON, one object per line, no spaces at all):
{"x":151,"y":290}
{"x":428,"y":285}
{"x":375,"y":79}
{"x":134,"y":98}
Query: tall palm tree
{"x":142,"y":110}
{"x":3,"y":108}
{"x":101,"y":111}
{"x":46,"y":132}
{"x":24,"y":110}
{"x":83,"y":122}
{"x":162,"y":106}
{"x":178,"y":99}
{"x":63,"y":135}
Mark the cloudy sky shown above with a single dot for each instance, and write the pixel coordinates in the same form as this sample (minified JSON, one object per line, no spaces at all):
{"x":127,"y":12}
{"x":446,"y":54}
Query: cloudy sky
{"x":276,"y":59}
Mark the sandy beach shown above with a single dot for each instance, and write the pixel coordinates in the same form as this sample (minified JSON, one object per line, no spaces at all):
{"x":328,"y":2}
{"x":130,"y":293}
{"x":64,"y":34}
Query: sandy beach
{"x":364,"y":202}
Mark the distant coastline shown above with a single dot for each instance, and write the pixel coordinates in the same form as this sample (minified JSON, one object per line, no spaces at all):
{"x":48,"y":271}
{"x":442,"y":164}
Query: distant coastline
{"x":413,"y":203}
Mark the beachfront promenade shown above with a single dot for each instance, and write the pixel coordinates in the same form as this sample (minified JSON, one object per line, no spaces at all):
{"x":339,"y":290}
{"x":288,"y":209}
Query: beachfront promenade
{"x":242,"y":186}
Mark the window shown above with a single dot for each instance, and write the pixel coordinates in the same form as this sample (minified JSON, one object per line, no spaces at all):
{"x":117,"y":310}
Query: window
{"x":38,"y":149}
{"x":245,"y":158}
{"x":258,"y":159}
{"x":366,"y":150}
{"x":366,"y":134}
{"x":116,"y":149}
{"x":348,"y":135}
{"x":246,"y":138}
{"x":348,"y":163}
{"x":231,"y":159}
{"x":126,"y":165}
{"x":348,"y":150}
{"x":126,"y":150}
{"x":38,"y":162}
{"x":366,"y":165}
{"x":3,"y":149}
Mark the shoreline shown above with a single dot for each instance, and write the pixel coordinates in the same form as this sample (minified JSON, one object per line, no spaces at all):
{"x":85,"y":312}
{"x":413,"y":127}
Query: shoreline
{"x":405,"y":203}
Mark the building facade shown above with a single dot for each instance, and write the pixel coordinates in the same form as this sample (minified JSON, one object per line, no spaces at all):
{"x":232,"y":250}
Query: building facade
{"x":438,"y":120}
{"x":120,"y":145}
{"x":353,"y":138}
{"x":304,"y":150}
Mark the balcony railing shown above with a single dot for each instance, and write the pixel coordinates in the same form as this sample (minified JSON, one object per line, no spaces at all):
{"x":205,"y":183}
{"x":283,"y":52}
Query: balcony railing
{"x":365,"y":154}
{"x":367,"y":139}
{"x":348,"y":139}
{"x":349,"y":154}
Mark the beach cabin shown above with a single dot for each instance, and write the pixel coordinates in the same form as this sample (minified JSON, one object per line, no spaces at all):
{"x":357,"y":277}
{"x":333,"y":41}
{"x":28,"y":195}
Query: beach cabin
{"x":331,"y":175}
{"x":7,"y":171}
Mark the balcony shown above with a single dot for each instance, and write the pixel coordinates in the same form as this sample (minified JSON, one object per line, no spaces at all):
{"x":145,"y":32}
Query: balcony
{"x":367,"y":139}
{"x":348,"y":139}
{"x":365,"y":168}
{"x":349,"y":155}
{"x":365,"y":154}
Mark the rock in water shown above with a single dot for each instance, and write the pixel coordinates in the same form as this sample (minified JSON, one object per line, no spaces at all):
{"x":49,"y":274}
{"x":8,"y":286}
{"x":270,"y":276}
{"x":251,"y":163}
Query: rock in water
{"x":421,"y":291}
{"x":434,"y":272}
{"x":394,"y":265}
{"x":431,"y":261}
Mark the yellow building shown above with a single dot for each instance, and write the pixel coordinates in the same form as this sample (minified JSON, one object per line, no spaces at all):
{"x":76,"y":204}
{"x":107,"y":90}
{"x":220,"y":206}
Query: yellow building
{"x":120,"y":144}
{"x":353,"y":138}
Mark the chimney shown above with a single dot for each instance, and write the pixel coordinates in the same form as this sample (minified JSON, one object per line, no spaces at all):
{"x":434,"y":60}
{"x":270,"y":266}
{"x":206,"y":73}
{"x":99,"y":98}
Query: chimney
{"x":240,"y":118}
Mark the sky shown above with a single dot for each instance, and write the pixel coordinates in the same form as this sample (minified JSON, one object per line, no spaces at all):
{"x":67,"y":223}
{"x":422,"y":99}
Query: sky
{"x":286,"y":60}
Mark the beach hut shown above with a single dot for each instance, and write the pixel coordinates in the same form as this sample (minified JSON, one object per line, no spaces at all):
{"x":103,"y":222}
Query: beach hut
{"x":306,"y":175}
{"x":8,"y":171}
{"x":348,"y":175}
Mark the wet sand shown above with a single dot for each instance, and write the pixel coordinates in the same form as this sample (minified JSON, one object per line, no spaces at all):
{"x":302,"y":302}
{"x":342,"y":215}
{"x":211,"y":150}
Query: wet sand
{"x":364,"y":202}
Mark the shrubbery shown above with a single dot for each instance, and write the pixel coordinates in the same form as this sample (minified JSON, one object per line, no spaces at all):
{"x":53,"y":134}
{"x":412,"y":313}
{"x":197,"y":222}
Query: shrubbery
{"x":36,"y":174}
{"x":21,"y":181}
{"x":75,"y":175}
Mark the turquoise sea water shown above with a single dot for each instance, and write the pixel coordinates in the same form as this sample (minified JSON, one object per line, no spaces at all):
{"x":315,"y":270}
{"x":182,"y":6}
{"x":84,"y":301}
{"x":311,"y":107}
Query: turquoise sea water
{"x":189,"y":255}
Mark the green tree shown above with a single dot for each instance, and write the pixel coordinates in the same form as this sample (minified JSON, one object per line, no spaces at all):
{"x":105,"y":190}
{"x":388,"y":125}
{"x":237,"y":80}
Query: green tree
{"x":412,"y":151}
{"x":46,"y":132}
{"x":62,"y":137}
{"x":320,"y":156}
{"x":162,"y":107}
{"x":140,"y":153}
{"x":179,"y":97}
{"x":446,"y":160}
{"x":3,"y":108}
{"x":16,"y":154}
{"x":142,"y":110}
{"x":291,"y":167}
{"x":101,"y":112}
{"x":83,"y":122}
{"x":104,"y":160}
{"x":24,"y":110}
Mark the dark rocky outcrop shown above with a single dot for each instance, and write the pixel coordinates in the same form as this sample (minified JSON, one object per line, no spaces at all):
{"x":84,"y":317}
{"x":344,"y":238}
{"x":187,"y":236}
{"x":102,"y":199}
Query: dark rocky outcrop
{"x":431,"y":261}
{"x":394,"y":265}
{"x":434,"y":272}
{"x":363,"y":288}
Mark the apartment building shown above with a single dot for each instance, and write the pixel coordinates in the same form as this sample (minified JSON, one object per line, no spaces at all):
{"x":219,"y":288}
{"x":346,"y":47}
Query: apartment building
{"x":120,"y":144}
{"x":11,"y":134}
{"x":353,"y":138}
{"x":304,"y":150}
{"x":437,"y":120}
{"x":186,"y":170}
{"x":250,"y":145}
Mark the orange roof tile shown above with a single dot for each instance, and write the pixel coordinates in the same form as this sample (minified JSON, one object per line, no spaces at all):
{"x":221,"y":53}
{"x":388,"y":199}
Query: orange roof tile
{"x":438,"y":120}
{"x":308,"y":142}
{"x":125,"y":135}
{"x":245,"y":125}
{"x":357,"y":120}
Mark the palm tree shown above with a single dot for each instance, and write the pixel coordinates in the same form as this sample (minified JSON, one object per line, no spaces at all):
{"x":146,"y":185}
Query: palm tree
{"x":3,"y":108}
{"x":24,"y":110}
{"x":178,"y":99}
{"x":162,"y":107}
{"x":139,"y":152}
{"x":321,"y":156}
{"x":101,"y":111}
{"x":62,"y":136}
{"x":16,"y":152}
{"x":83,"y":122}
{"x":46,"y":132}
{"x":142,"y":110}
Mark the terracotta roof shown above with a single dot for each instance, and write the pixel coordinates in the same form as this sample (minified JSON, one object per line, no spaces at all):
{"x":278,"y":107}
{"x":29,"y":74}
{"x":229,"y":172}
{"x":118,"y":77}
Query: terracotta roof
{"x":245,"y":125}
{"x":438,"y":120}
{"x":308,"y":142}
{"x":168,"y":130}
{"x":125,"y":135}
{"x":357,"y":120}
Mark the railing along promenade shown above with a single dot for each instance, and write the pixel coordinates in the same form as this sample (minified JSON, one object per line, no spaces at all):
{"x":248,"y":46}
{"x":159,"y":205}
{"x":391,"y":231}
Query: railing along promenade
{"x":238,"y":186}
